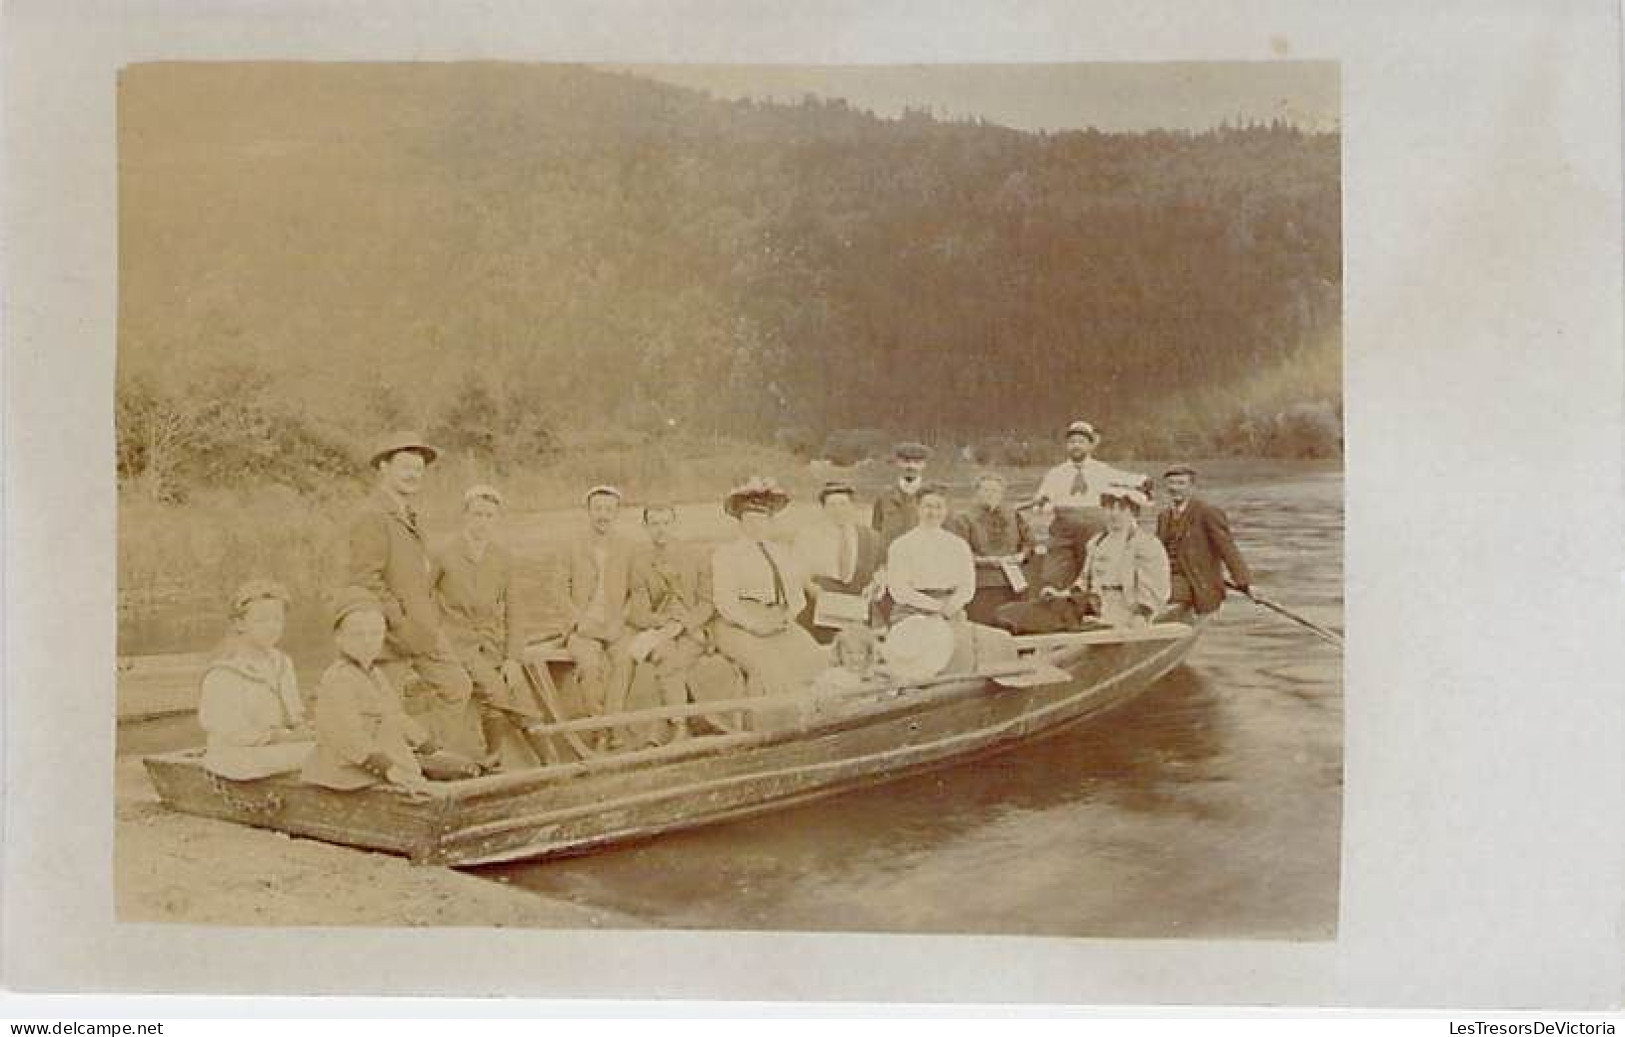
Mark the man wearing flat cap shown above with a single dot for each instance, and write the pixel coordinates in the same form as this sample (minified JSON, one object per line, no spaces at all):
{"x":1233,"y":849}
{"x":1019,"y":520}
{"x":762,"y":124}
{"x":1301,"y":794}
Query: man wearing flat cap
{"x":389,"y":556}
{"x":836,"y":553}
{"x":1073,"y":488}
{"x":898,"y":509}
{"x":1200,"y":548}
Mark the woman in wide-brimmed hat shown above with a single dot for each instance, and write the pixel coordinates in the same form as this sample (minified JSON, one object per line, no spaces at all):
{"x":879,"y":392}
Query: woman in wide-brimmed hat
{"x":758,"y":589}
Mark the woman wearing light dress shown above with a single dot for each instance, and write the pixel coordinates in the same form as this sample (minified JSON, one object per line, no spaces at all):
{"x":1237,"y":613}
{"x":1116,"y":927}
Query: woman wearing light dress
{"x":249,"y":704}
{"x":758,"y":586}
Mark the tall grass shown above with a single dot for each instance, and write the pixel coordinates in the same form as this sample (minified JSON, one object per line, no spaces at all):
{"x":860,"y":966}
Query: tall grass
{"x":1290,"y":410}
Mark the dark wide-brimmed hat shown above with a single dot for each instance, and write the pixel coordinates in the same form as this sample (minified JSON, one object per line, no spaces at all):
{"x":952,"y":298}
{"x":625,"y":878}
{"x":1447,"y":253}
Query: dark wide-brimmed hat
{"x":354,"y":599}
{"x":393,"y":443}
{"x":1179,"y":469}
{"x":911,"y":451}
{"x":757,"y":494}
{"x":1083,"y":428}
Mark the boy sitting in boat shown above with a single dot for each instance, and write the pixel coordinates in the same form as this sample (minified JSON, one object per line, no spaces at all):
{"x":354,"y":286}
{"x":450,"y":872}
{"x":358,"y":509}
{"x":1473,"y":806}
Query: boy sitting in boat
{"x":363,"y":735}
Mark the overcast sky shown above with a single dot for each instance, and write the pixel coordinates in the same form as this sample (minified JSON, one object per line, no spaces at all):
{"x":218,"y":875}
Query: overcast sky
{"x":1185,"y":95}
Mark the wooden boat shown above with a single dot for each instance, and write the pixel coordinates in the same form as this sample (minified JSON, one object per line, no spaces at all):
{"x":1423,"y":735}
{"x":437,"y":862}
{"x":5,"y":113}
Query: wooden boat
{"x":806,"y":746}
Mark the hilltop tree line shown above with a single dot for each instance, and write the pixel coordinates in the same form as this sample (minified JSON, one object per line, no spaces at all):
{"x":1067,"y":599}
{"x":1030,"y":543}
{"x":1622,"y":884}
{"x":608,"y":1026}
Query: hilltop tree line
{"x":513,"y":251}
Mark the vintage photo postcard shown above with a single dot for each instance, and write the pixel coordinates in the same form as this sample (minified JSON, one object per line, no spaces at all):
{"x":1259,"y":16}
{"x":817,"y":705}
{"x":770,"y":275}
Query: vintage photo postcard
{"x":804,"y":500}
{"x":777,"y":497}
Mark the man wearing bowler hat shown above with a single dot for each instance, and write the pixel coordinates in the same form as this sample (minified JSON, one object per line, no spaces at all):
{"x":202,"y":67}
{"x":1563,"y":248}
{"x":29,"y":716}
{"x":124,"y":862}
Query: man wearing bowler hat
{"x":1073,"y":489}
{"x":389,"y":556}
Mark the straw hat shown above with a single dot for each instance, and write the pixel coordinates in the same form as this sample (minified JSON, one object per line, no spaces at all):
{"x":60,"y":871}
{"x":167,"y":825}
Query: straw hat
{"x":392,"y":443}
{"x":483,"y":491}
{"x":1083,"y":428}
{"x":1131,"y":494}
{"x":918,"y":648}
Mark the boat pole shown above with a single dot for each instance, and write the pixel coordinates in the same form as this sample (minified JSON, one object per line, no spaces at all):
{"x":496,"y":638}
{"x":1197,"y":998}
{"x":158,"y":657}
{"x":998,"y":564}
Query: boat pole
{"x":1326,"y":634}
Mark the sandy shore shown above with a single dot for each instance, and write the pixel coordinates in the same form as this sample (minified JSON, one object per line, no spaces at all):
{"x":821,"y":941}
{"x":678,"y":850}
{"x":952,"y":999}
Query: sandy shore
{"x":171,"y":867}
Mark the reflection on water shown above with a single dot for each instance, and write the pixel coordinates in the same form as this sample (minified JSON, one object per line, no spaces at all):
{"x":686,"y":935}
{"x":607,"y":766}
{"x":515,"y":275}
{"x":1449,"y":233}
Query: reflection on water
{"x":1210,"y":806}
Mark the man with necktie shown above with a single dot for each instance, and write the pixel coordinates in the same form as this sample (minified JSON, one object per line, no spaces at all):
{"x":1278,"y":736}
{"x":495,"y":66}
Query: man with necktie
{"x":1073,"y":489}
{"x":389,"y":556}
{"x":837,"y":554}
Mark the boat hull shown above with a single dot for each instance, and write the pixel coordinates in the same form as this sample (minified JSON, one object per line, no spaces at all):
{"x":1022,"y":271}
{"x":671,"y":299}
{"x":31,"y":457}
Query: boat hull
{"x":580,"y":807}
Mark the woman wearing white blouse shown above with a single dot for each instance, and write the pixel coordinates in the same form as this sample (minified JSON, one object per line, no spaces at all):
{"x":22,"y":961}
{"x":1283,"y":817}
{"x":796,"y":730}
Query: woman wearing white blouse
{"x":930,"y":571}
{"x":758,"y":590}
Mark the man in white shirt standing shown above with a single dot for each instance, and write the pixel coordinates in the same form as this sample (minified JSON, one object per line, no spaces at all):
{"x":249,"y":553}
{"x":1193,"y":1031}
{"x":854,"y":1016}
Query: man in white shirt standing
{"x":1073,"y":489}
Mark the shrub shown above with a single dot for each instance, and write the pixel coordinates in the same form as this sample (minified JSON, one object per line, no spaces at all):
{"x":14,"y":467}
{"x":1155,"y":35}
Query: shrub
{"x":798,"y":441}
{"x":850,"y":446}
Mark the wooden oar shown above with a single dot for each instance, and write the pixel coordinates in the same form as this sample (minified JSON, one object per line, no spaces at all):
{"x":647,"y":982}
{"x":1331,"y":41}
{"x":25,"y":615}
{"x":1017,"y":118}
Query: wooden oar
{"x":1330,"y":636}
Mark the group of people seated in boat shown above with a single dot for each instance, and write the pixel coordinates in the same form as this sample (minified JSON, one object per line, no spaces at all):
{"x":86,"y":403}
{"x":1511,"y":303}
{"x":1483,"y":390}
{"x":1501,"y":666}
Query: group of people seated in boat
{"x":429,"y":675}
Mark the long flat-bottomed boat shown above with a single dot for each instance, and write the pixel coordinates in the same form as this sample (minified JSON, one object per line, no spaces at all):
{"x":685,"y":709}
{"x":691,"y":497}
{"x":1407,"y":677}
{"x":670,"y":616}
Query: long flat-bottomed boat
{"x":796,"y":748}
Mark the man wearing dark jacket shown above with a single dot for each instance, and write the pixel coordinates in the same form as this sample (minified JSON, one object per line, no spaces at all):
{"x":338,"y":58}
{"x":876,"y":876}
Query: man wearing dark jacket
{"x":389,"y":556}
{"x":1197,"y":537}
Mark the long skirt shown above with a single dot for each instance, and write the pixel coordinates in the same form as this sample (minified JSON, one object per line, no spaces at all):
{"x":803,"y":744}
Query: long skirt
{"x":780,"y":664}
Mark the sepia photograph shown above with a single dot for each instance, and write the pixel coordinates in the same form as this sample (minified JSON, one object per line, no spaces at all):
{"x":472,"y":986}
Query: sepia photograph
{"x":810,"y":498}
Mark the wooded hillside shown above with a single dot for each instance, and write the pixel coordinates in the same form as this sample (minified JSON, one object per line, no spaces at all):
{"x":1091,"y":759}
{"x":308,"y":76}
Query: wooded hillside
{"x":586,"y":250}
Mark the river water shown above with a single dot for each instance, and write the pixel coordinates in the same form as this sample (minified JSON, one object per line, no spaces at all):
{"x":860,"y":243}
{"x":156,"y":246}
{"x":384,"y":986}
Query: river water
{"x":1208,"y":807}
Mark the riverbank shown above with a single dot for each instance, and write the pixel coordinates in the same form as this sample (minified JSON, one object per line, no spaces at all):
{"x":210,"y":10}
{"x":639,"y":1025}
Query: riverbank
{"x":171,"y":867}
